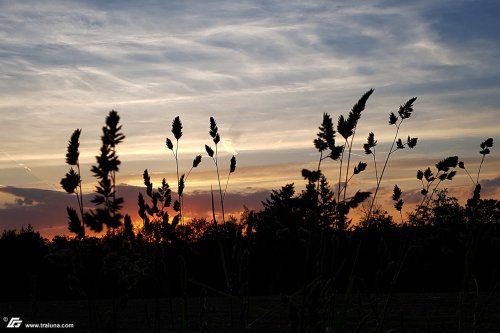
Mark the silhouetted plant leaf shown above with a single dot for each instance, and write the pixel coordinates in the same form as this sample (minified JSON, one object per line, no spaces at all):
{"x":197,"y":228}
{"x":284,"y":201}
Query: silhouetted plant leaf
{"x":412,"y":142}
{"x":149,"y":210}
{"x":71,"y":181}
{"x":420,"y":174}
{"x":428,"y":174}
{"x":485,"y":151}
{"x":165,"y":218}
{"x":209,"y":150}
{"x":367,"y":149}
{"x":154,"y":201}
{"x":343,"y":127}
{"x":320,"y":145}
{"x":336,"y":152}
{"x":168,"y":200}
{"x":451,"y":175}
{"x":355,"y":114}
{"x":424,"y":191}
{"x":360,"y":167}
{"x":117,"y":203}
{"x":142,"y":206}
{"x":111,"y":135}
{"x":447,"y":163}
{"x":177,"y":128}
{"x":147,"y":182}
{"x":400,"y":144}
{"x":488,"y":143}
{"x":214,"y":131}
{"x":392,"y":118}
{"x":74,"y":225}
{"x":94,"y":220}
{"x":406,"y":109}
{"x":232,"y":166}
{"x":73,"y":145}
{"x":196,"y":161}
{"x":177,"y":206}
{"x":396,"y":193}
{"x":175,"y":221}
{"x":370,"y":143}
{"x":358,"y":198}
{"x":443,"y":176}
{"x":311,"y":176}
{"x":142,"y":211}
{"x":461,"y":165}
{"x":170,"y":145}
{"x":399,"y":205}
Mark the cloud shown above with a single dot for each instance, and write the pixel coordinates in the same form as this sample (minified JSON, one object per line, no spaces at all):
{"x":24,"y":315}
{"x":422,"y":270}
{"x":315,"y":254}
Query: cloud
{"x":490,"y":188}
{"x":45,"y":210}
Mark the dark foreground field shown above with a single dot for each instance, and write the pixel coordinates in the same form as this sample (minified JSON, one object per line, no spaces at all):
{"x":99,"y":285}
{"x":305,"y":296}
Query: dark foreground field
{"x":407,"y":313}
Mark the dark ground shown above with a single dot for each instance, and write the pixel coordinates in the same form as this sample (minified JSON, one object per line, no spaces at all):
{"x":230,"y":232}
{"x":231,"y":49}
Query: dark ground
{"x":406,"y":313}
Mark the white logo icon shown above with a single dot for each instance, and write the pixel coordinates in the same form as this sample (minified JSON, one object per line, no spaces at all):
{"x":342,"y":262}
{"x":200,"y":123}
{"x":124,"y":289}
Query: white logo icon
{"x":15,"y":322}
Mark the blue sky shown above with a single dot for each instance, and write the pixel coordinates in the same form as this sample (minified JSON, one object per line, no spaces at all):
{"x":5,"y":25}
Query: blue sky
{"x":266,"y":70}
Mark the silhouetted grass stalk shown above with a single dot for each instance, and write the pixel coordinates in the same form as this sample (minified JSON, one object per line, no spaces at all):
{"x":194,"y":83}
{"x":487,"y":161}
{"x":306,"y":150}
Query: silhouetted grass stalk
{"x":72,"y":183}
{"x":404,"y":112}
{"x":379,"y":180}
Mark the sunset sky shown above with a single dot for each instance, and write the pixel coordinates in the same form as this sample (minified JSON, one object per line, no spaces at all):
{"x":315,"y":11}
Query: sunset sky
{"x":266,"y":70}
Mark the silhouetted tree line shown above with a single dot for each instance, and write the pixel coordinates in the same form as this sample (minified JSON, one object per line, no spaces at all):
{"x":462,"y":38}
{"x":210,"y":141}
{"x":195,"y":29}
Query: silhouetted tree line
{"x":271,"y":251}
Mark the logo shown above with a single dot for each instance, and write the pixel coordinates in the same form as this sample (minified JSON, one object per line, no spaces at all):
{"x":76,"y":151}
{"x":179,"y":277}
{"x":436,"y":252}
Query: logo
{"x":15,"y":322}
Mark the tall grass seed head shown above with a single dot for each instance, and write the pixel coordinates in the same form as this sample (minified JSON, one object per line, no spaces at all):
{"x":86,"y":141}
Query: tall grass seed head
{"x":392,"y":118}
{"x":360,"y":167}
{"x":214,"y":131}
{"x":406,"y":109}
{"x":447,"y":163}
{"x":232,"y":166}
{"x":169,"y":144}
{"x":209,"y":151}
{"x":177,"y":128}
{"x":73,"y":154}
{"x":488,"y":143}
{"x":71,"y":181}
{"x":196,"y":161}
{"x":411,"y":142}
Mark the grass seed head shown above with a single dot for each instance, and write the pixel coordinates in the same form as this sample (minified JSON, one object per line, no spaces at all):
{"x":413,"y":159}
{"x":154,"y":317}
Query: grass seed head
{"x":196,"y":161}
{"x":169,"y":143}
{"x":209,"y":151}
{"x":73,"y":154}
{"x":71,"y":181}
{"x":232,"y":166}
{"x":392,"y":119}
{"x":177,"y":128}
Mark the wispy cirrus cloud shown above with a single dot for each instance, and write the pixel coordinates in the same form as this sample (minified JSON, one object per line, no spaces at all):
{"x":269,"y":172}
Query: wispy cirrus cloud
{"x":267,"y":70}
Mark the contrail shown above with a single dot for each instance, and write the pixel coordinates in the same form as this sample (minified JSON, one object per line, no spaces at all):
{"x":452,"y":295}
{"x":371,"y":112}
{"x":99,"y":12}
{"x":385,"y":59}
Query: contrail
{"x":28,"y":170}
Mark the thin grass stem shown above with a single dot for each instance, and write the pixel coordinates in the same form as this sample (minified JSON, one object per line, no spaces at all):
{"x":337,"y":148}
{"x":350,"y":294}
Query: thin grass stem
{"x":383,"y":169}
{"x":479,"y":170}
{"x":348,"y":161}
{"x":468,"y":174}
